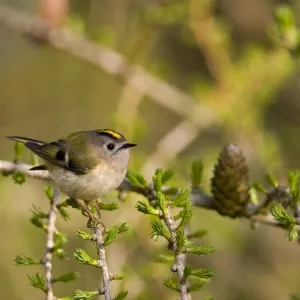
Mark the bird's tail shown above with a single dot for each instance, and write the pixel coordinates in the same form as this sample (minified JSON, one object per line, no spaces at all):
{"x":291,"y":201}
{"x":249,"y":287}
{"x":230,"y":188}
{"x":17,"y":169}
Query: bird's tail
{"x":31,"y":144}
{"x":25,"y":140}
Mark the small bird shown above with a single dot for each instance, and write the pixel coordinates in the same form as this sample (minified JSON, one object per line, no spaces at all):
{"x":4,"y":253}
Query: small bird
{"x":85,"y":165}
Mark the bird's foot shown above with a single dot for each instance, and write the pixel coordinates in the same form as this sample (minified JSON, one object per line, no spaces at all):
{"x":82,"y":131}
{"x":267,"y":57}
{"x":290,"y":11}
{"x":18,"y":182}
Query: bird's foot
{"x":86,"y":211}
{"x":96,"y":208}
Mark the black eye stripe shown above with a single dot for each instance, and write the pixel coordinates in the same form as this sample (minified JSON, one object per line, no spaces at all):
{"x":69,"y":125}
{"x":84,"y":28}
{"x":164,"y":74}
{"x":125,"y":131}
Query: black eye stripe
{"x":60,"y":155}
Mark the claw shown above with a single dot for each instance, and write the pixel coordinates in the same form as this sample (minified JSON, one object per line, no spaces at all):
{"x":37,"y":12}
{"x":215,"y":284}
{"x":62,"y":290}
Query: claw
{"x":85,"y":210}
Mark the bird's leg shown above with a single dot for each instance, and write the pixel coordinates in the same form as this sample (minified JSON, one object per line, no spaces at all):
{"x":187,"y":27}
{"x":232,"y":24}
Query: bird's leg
{"x":93,"y":207}
{"x":98,"y":207}
{"x":85,"y":209}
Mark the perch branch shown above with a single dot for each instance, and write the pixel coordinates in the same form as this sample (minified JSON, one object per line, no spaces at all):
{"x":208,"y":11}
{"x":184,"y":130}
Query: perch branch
{"x":198,"y":197}
{"x":7,"y":167}
{"x":51,"y":229}
{"x":102,"y":260}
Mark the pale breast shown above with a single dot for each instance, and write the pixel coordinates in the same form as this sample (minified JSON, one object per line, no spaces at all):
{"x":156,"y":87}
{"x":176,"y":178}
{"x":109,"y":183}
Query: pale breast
{"x":90,"y":186}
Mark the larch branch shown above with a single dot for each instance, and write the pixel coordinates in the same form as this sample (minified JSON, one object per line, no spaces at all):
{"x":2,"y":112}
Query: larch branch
{"x":51,"y":230}
{"x":198,"y":197}
{"x":102,"y":261}
{"x":180,"y":257}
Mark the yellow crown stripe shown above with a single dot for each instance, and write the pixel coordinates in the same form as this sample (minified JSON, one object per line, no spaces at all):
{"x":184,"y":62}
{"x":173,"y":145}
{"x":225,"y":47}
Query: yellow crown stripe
{"x":113,"y":133}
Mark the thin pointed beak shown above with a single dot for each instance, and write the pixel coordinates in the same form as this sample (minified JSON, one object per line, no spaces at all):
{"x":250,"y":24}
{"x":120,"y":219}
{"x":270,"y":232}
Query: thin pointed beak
{"x":128,"y":145}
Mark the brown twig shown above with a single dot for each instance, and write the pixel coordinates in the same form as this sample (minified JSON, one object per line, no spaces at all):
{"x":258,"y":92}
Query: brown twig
{"x":127,"y":111}
{"x":104,"y":58}
{"x":168,"y":96}
{"x":198,"y":115}
{"x":185,"y":132}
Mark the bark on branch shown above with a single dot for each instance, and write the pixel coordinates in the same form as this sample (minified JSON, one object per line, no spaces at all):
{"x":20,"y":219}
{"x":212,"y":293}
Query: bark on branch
{"x":102,"y":259}
{"x":198,"y":197}
{"x":51,"y":230}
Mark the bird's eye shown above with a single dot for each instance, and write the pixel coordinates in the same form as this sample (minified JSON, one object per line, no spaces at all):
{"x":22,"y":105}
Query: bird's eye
{"x":110,"y":146}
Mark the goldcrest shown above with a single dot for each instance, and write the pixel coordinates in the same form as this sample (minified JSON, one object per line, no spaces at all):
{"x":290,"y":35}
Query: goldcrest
{"x":85,"y":165}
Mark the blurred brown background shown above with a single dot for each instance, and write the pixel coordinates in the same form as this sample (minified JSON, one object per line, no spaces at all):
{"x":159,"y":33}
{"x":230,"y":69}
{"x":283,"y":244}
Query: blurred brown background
{"x":242,"y":90}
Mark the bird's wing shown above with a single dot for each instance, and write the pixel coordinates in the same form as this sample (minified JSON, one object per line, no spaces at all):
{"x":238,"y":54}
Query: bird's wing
{"x":55,"y":152}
